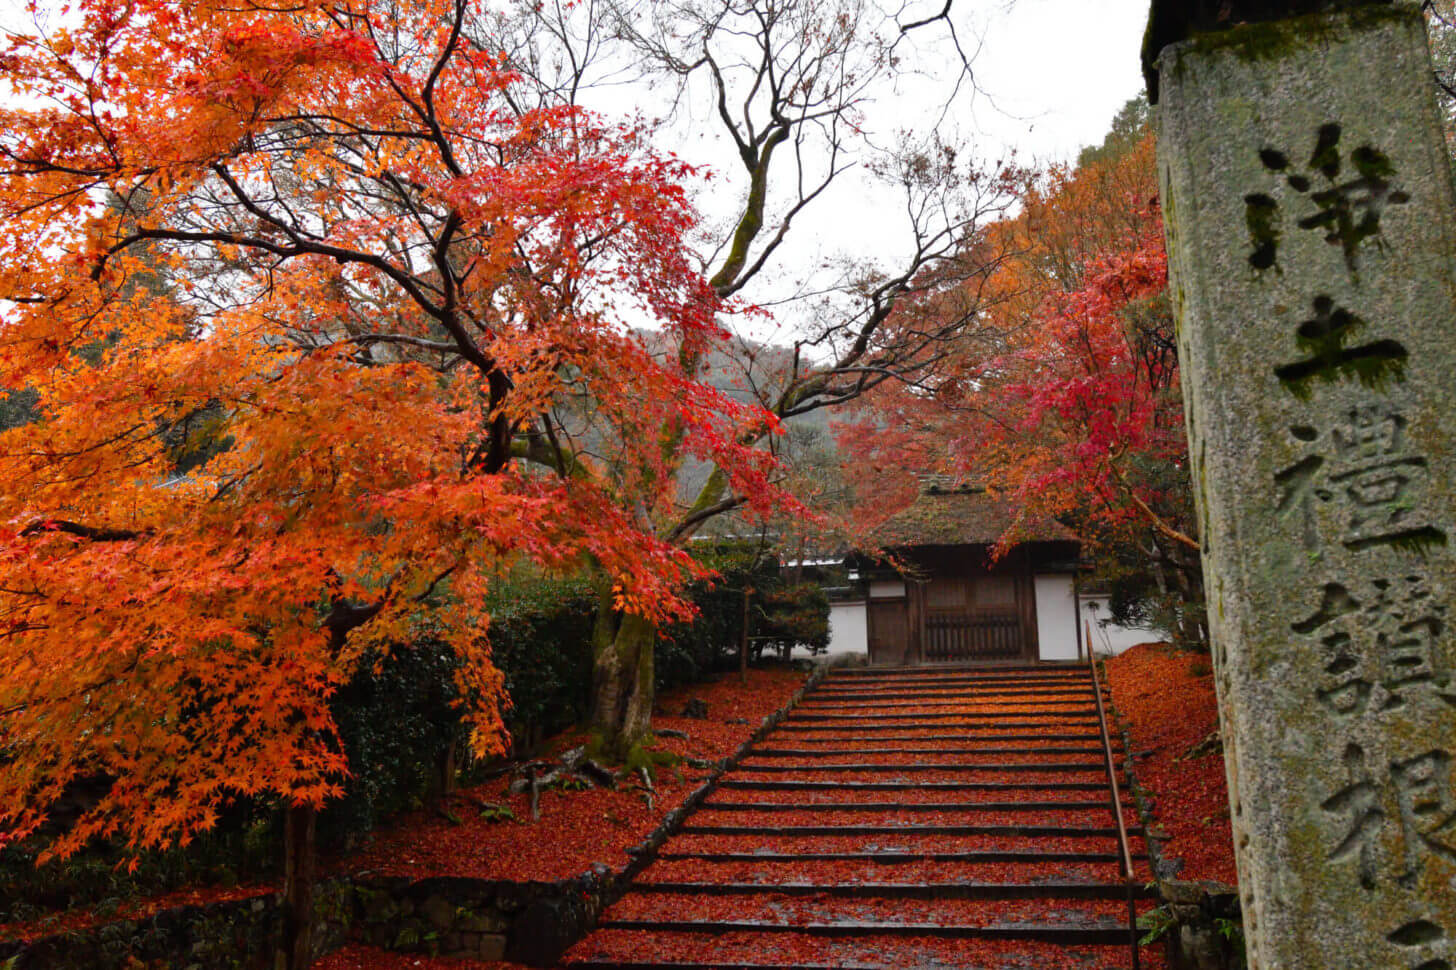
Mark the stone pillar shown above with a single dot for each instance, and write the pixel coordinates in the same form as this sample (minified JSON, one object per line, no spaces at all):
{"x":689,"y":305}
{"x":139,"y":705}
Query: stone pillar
{"x":1308,"y":204}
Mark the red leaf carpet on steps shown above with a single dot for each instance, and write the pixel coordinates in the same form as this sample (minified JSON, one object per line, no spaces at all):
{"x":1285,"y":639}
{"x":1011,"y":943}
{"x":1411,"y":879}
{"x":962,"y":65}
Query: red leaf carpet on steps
{"x":899,"y":818}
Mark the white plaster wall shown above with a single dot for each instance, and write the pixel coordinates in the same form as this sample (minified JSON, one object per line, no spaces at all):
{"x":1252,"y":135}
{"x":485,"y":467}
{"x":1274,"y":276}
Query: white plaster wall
{"x":886,"y":589}
{"x":848,"y":628}
{"x":1111,"y":638}
{"x":1056,"y":616}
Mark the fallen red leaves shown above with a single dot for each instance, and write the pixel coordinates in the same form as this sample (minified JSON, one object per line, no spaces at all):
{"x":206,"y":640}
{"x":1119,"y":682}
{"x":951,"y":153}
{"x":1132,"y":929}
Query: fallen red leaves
{"x":72,"y":920}
{"x":577,"y":828}
{"x":884,"y":951}
{"x":1167,"y":699}
{"x":784,"y":883}
{"x":847,"y":872}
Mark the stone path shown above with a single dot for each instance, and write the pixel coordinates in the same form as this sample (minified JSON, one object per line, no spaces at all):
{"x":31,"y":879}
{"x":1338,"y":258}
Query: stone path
{"x":916,"y":817}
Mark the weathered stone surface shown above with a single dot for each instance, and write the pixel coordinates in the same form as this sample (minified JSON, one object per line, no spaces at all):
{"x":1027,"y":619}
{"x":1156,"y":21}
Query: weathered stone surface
{"x":439,"y":912}
{"x":1309,"y":212}
{"x":485,"y":921}
{"x":544,"y":930}
{"x":492,"y":946}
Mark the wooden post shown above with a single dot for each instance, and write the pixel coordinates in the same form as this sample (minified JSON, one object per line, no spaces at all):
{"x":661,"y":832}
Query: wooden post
{"x":299,"y":874}
{"x":1077,"y":609}
{"x":743,"y":642}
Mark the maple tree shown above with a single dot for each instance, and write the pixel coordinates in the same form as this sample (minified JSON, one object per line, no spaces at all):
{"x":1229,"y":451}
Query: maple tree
{"x":291,"y":292}
{"x":1072,"y":404}
{"x":784,"y":86}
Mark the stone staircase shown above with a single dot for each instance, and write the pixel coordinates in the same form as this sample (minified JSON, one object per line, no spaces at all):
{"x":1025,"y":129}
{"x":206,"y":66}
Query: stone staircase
{"x":908,"y":817}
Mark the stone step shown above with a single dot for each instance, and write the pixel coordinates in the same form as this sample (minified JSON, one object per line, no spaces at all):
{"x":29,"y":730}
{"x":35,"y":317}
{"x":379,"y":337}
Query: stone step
{"x":789,"y":831}
{"x":934,"y":670}
{"x":830,"y":688}
{"x":890,"y":857}
{"x":922,"y":767}
{"x":893,"y":890}
{"x":734,"y":784}
{"x":1080,"y":932}
{"x":944,"y":690}
{"x":947,"y":807}
{"x":1055,"y":701}
{"x":623,"y":951}
{"x":844,"y":752}
{"x":1072,"y":716}
{"x":967,"y":735}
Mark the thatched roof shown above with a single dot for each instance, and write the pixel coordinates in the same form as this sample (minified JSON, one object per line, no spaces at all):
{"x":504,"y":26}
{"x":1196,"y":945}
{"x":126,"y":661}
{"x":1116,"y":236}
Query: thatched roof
{"x":966,"y":516}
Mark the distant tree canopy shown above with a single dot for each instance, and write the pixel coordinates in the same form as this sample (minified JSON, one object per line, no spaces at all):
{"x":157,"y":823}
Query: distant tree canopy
{"x":1069,"y":401}
{"x":1129,"y":127}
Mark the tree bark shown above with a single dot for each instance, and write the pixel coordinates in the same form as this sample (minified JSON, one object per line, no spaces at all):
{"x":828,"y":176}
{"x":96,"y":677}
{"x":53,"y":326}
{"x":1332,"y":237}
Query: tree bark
{"x":299,"y":873}
{"x":622,"y":679}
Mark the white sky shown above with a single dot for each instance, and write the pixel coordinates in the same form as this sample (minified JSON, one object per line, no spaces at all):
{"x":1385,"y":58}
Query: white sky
{"x":1057,"y":70}
{"x":1050,"y":75}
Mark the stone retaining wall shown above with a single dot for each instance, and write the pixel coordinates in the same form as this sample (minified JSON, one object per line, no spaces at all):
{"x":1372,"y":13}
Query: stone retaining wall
{"x":526,"y":922}
{"x":1205,"y":930}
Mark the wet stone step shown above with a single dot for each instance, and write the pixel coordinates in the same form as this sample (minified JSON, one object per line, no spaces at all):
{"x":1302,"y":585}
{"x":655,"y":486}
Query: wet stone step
{"x":1107,"y":931}
{"x":845,"y":752}
{"x":628,"y":950}
{"x":852,"y":787}
{"x":967,"y":806}
{"x":909,"y":818}
{"x":988,"y":754}
{"x":902,"y":890}
{"x":889,"y":858}
{"x":982,"y":733}
{"x":922,"y":766}
{"x":957,"y":706}
{"x":914,"y":799}
{"x":973,"y":728}
{"x":1039,"y":781}
{"x":952,"y":715}
{"x":789,"y":831}
{"x":933,"y":670}
{"x":897,"y":840}
{"x":1028,"y":695}
{"x":908,"y":871}
{"x":832,"y":686}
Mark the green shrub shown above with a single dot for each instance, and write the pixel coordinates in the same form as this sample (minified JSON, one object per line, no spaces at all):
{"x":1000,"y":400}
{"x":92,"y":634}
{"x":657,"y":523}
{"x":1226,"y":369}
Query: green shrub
{"x":540,"y":639}
{"x":396,"y":719}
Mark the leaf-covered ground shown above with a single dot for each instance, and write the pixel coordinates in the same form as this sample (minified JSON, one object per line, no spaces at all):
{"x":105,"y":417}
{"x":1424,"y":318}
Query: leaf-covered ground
{"x":578,"y":828}
{"x":137,"y":909}
{"x":1166,"y":697}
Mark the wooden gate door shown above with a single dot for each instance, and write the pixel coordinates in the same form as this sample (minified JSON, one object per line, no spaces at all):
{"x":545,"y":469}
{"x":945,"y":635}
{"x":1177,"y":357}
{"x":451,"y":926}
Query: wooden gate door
{"x":889,"y":632}
{"x":975,"y":619}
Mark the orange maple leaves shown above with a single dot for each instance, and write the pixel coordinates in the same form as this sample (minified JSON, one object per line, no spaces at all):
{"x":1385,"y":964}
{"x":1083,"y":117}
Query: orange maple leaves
{"x":321,"y":252}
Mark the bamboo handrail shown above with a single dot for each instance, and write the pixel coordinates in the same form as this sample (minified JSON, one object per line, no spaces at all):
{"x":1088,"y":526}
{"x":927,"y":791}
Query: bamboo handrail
{"x":1129,"y":877}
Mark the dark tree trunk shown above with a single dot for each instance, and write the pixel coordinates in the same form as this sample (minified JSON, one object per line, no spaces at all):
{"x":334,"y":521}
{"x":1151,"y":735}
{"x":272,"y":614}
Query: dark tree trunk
{"x":623,"y":679}
{"x":299,"y":875}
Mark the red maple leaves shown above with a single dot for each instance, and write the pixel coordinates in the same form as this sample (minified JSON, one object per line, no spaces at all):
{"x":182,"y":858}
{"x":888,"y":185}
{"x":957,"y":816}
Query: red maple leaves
{"x":300,"y":295}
